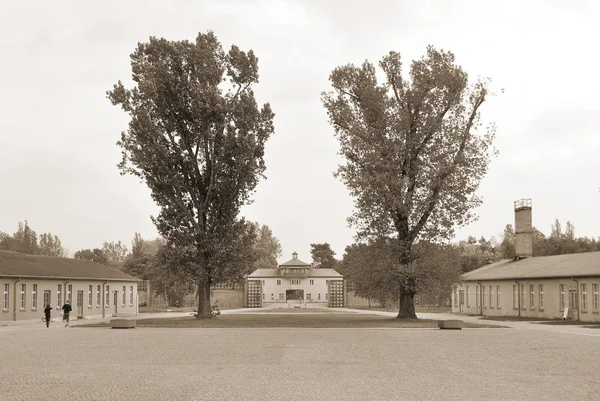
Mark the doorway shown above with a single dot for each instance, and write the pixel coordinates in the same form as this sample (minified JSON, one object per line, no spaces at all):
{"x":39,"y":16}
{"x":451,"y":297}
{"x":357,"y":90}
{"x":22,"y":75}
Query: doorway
{"x":461,"y":300}
{"x":573,"y":300}
{"x":294,"y":295}
{"x":116,"y":301}
{"x":79,"y":304}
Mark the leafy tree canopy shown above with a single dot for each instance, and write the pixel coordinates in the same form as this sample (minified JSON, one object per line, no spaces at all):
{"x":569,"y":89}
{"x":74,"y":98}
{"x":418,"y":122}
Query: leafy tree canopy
{"x":196,"y":137}
{"x":413,"y":149}
{"x":323,"y":256}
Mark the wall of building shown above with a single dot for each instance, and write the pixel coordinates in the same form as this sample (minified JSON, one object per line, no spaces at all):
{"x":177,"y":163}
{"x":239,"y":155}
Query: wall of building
{"x":30,"y":304}
{"x":274,"y":289}
{"x":528,"y":302}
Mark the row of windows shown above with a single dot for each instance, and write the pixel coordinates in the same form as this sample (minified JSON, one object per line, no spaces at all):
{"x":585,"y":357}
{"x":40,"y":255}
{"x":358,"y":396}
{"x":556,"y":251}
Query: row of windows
{"x":528,"y":301}
{"x":282,"y":297}
{"x":489,"y":297}
{"x":47,"y":297}
{"x":583,"y":298}
{"x":297,"y":282}
{"x":528,"y":296}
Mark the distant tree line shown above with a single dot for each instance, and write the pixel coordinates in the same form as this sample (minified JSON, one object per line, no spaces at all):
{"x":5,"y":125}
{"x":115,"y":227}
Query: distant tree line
{"x":25,"y":240}
{"x":369,"y":267}
{"x":167,"y":265}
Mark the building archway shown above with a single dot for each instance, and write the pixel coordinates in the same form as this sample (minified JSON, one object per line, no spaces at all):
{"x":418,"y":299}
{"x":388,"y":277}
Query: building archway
{"x":297,"y":295}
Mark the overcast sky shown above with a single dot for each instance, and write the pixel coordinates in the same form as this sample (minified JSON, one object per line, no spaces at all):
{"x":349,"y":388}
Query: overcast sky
{"x":58,"y":131}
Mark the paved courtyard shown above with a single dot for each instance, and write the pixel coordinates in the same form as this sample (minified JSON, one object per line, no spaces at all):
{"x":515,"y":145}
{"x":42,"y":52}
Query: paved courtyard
{"x":298,"y":364}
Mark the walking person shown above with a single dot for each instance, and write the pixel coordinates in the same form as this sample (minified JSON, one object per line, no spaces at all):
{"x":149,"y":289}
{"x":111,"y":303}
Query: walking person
{"x":47,"y":311}
{"x":66,"y":310}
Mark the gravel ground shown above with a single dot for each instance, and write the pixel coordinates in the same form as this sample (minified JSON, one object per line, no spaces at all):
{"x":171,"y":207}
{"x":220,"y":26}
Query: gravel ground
{"x":296,"y":364}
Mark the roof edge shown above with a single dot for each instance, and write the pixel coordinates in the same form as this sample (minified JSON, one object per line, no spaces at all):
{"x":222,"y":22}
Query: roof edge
{"x":19,"y":276}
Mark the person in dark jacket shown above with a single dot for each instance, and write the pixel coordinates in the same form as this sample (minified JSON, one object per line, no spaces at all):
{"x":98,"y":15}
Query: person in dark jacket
{"x":66,"y":310}
{"x":47,"y":311}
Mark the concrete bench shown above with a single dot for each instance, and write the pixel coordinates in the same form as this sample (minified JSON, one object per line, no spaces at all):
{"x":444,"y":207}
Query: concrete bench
{"x":450,"y":324}
{"x":122,"y":323}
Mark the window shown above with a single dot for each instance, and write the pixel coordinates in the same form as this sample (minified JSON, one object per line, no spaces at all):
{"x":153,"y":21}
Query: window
{"x":5,"y":304}
{"x":278,"y":282}
{"x":484,"y":296}
{"x":263,"y":282}
{"x":90,"y":295}
{"x":69,"y":292}
{"x":263,"y":296}
{"x":584,"y":296}
{"x":22,"y":296}
{"x":281,"y":296}
{"x":596,"y":298}
{"x":491,"y":296}
{"x":468,"y":297}
{"x":325,"y":297}
{"x":34,"y":296}
{"x":541,"y":295}
{"x":455,"y":295}
{"x":319,"y":297}
{"x":98,"y":292}
{"x":312,"y":282}
{"x":561,"y":289}
{"x":124,"y":295}
{"x":523,"y":298}
{"x":59,"y":296}
{"x":106,"y":296}
{"x":130,"y":295}
{"x":531,"y":296}
{"x":477,"y":299}
{"x":272,"y":297}
{"x":295,"y":282}
{"x":47,"y":297}
{"x":498,"y":304}
{"x":308,"y":297}
{"x":515,"y":297}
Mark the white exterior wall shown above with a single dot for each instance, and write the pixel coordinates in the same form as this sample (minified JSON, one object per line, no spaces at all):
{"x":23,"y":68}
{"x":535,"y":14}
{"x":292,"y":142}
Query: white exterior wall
{"x":15,"y":312}
{"x":319,"y":287}
{"x":531,"y":307}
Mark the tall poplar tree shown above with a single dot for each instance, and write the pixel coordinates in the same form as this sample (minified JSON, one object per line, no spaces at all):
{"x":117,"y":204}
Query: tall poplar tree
{"x":414,"y":152}
{"x":196,"y":137}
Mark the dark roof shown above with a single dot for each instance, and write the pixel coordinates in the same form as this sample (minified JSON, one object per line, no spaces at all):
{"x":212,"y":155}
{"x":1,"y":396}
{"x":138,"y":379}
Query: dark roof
{"x":294,"y":263}
{"x":277,"y":273}
{"x":569,"y":265}
{"x":14,"y":264}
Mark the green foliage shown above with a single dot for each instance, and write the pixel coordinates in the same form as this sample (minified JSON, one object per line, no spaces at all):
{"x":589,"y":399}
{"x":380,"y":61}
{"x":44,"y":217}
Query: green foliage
{"x":323,"y":256}
{"x":414,"y":154}
{"x":474,"y":254}
{"x":115,"y":253}
{"x":172,"y":272}
{"x":196,"y":137}
{"x":266,"y":248}
{"x":25,"y":240}
{"x":50,"y":245}
{"x":507,"y":247}
{"x":375,"y":273}
{"x":96,"y":255}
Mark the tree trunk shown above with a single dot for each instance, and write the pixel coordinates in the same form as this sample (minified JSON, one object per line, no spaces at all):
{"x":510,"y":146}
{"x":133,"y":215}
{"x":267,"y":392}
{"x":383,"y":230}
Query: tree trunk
{"x":204,"y":311}
{"x":407,"y":285}
{"x":406,"y":304}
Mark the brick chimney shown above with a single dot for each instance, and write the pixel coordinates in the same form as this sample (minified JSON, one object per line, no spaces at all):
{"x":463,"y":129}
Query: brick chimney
{"x":523,"y":229}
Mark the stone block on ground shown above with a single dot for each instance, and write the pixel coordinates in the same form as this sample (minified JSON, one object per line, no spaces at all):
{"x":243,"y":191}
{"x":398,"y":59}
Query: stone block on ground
{"x":122,"y":323}
{"x":450,"y":324}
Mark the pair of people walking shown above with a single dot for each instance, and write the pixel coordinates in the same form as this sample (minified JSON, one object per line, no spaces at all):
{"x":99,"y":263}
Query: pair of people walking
{"x":66,"y":311}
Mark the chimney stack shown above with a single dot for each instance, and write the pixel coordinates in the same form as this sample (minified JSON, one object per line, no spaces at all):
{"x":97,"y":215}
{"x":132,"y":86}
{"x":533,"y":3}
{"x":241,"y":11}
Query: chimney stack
{"x":294,"y":255}
{"x":523,"y":229}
